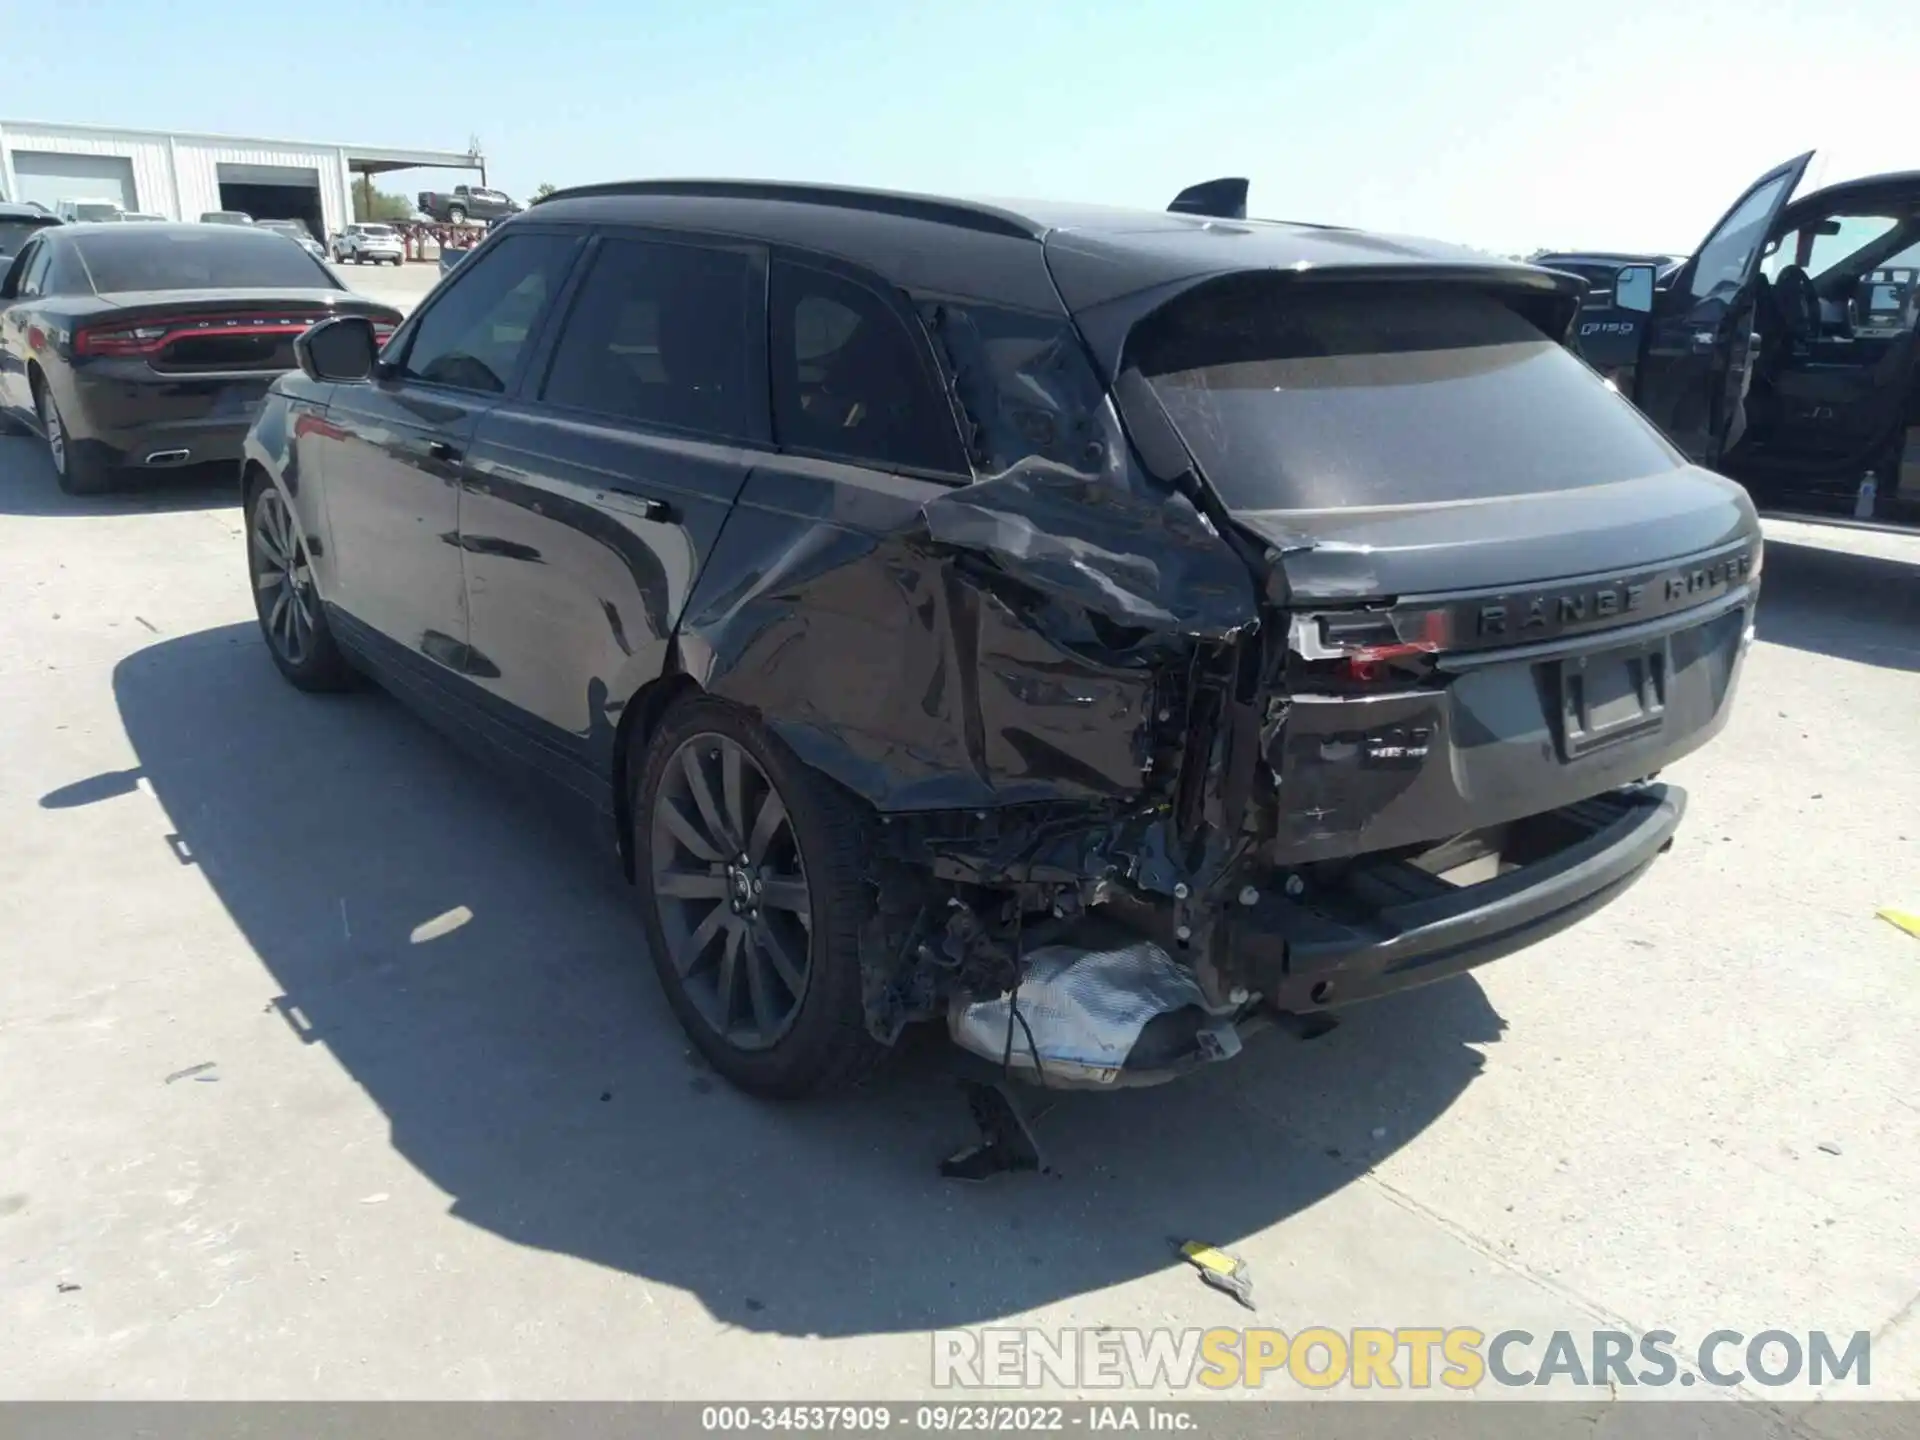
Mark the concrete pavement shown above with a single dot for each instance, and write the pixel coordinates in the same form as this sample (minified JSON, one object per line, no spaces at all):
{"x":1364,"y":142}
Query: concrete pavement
{"x":260,"y":1142}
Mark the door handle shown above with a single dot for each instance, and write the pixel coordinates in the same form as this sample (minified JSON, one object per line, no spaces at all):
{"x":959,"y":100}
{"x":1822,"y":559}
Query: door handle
{"x":441,"y":450}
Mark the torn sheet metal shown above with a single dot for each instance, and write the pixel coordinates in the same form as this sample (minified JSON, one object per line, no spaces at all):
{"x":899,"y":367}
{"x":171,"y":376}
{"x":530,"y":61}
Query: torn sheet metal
{"x":1139,"y":559}
{"x":1081,"y":1012}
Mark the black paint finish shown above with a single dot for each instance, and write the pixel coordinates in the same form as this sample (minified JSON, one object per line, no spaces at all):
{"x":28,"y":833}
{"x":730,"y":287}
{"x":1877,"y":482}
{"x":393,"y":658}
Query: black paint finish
{"x":198,"y":393}
{"x":1069,"y":677}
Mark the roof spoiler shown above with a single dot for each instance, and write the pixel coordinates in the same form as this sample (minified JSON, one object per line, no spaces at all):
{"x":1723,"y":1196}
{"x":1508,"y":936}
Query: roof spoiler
{"x":1217,"y":199}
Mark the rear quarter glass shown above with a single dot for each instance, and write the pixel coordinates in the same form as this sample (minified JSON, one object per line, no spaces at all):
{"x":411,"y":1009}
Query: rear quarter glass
{"x":1324,"y":396}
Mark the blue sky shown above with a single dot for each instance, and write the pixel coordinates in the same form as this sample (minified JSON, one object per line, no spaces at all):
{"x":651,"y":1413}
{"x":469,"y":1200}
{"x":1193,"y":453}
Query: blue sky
{"x":1510,"y":126}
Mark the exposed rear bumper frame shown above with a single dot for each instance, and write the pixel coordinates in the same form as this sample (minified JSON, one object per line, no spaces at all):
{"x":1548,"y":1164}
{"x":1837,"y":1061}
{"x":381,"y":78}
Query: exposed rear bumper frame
{"x":1303,"y":954}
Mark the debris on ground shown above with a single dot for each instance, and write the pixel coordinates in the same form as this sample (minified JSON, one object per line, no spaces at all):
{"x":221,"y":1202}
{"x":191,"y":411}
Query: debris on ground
{"x":376,"y":1199}
{"x":1907,"y":920}
{"x":1829,"y":1147}
{"x":192,"y":1072}
{"x":1006,"y":1145}
{"x":66,"y":1287}
{"x":1226,"y":1273}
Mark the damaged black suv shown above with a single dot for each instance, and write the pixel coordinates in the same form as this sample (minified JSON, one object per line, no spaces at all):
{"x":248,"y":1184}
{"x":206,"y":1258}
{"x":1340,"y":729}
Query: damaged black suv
{"x":1096,"y":630}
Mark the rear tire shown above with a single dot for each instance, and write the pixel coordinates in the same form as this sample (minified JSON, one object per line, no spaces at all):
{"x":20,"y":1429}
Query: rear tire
{"x":804,"y":838}
{"x":292,"y":620}
{"x":78,"y":467}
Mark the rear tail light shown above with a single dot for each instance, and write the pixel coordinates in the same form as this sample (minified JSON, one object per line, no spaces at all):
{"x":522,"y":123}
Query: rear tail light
{"x":149,"y":336}
{"x":1373,"y":650}
{"x":133,"y":340}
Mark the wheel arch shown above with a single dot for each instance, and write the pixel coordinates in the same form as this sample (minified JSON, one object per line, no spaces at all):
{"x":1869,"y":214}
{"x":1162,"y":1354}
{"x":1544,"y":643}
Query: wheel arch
{"x":639,"y":718}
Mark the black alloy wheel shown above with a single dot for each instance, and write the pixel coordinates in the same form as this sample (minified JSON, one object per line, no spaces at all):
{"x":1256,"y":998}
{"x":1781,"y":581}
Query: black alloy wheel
{"x":730,"y":888}
{"x":285,"y":598}
{"x":754,"y":884}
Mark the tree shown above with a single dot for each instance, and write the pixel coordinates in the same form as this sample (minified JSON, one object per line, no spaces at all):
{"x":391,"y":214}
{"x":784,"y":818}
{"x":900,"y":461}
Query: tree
{"x":371,"y":204}
{"x":544,"y":191}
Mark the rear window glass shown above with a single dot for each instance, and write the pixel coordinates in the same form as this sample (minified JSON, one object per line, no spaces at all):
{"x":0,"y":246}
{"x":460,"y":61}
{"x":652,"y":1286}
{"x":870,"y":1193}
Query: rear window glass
{"x":14,"y":233}
{"x":210,"y":257}
{"x":1308,"y":397}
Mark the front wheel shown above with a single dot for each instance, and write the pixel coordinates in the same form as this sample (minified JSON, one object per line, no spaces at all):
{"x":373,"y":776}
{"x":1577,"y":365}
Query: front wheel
{"x":456,"y":215}
{"x":284,"y":597}
{"x":751,"y":877}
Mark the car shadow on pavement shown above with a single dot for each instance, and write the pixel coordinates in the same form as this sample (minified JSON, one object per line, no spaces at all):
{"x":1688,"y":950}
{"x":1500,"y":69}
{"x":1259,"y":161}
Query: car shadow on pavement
{"x":27,"y":486}
{"x":1845,"y":604}
{"x":470,"y":956}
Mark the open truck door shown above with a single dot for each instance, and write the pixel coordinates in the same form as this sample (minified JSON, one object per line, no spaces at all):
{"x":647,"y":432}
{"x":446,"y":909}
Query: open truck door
{"x":1697,"y":350}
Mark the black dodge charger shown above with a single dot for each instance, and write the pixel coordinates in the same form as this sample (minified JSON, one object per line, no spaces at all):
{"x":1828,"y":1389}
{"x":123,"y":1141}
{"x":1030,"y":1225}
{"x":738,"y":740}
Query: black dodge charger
{"x":147,"y":346}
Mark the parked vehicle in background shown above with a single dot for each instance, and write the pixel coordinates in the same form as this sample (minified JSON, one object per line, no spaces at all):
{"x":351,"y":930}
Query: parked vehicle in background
{"x":363,"y":242}
{"x":125,"y":217}
{"x":73,"y":211}
{"x":17,"y":222}
{"x":1786,"y":351}
{"x":1156,"y":620}
{"x":151,"y":346}
{"x":1598,"y":268}
{"x":295,"y":231}
{"x":226,"y":217}
{"x":467,"y":202}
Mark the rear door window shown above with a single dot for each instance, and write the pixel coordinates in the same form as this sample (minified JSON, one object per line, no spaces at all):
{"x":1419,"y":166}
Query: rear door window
{"x":1309,"y":396}
{"x":850,"y":380}
{"x":661,"y":334}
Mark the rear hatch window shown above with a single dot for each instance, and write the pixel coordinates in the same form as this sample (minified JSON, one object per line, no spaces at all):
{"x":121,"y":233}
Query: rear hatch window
{"x":1327,"y":395}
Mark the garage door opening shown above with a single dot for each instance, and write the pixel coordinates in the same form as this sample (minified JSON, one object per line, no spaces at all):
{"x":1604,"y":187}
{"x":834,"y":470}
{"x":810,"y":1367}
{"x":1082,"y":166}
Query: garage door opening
{"x":50,"y":177}
{"x":274,"y":192}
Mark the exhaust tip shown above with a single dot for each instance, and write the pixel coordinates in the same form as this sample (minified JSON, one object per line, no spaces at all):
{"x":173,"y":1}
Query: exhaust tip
{"x":167,"y":457}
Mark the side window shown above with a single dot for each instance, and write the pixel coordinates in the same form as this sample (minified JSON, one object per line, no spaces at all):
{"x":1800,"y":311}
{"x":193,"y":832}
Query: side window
{"x":848,"y":378}
{"x":661,"y":334}
{"x":477,"y":332}
{"x":1722,"y":262}
{"x":1026,"y":386}
{"x":33,"y":277}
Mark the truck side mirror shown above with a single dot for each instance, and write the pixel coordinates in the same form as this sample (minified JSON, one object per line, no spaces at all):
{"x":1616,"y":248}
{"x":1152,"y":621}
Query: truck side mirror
{"x":1633,"y":289}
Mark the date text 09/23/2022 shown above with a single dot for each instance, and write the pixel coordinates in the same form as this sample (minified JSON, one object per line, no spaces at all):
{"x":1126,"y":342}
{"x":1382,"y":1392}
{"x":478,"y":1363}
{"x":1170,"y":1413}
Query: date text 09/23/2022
{"x":975,"y":1418}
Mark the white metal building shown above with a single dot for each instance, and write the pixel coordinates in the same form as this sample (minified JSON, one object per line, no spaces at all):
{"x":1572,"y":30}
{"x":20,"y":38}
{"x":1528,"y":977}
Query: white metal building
{"x":183,"y":176}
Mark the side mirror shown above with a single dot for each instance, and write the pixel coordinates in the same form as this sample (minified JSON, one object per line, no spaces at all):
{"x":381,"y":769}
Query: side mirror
{"x":1633,"y":289}
{"x":342,"y":349}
